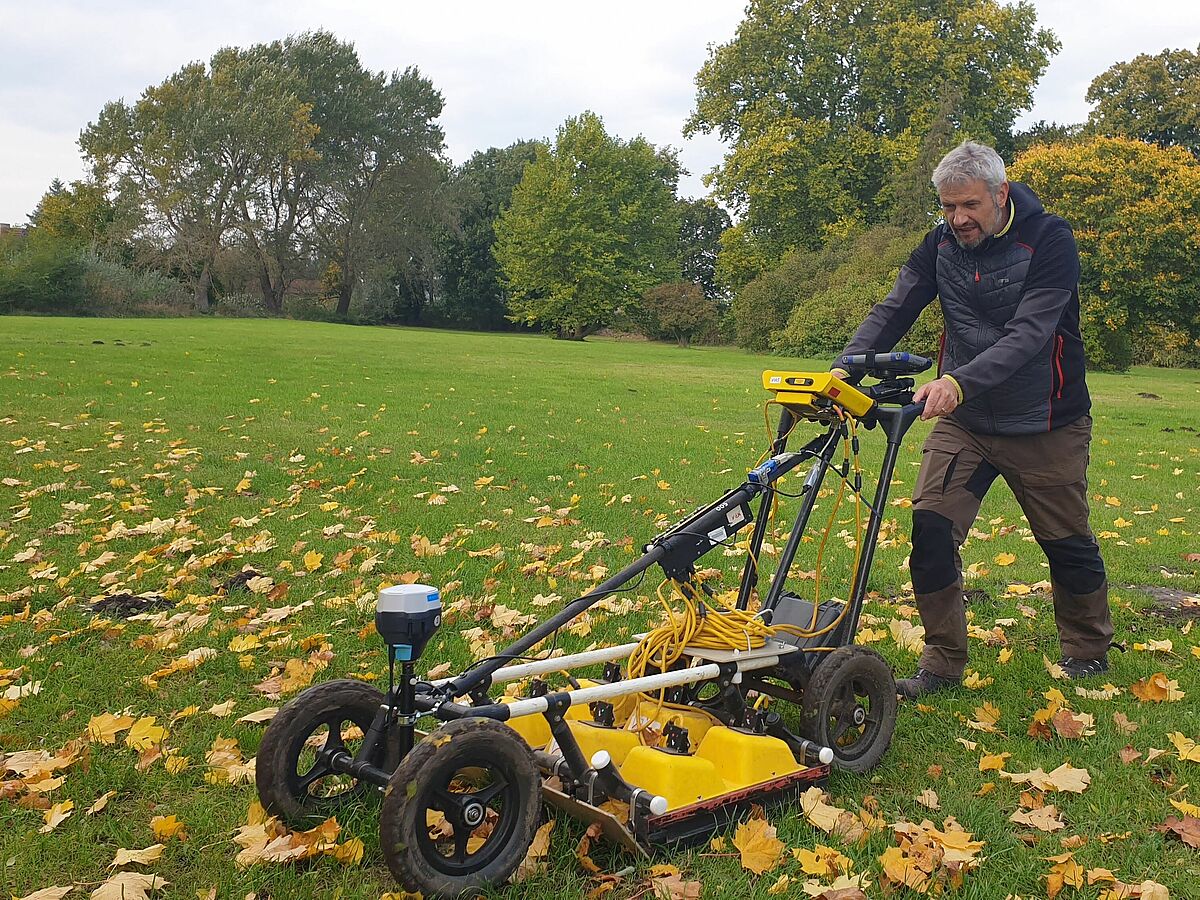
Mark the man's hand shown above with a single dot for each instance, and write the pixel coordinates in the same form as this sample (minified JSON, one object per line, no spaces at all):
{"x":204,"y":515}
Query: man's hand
{"x":940,"y":396}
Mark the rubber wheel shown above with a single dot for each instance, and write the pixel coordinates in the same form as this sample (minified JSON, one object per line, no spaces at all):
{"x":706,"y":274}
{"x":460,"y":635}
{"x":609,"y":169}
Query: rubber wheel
{"x":461,"y":809}
{"x":293,"y":777}
{"x":850,"y":706}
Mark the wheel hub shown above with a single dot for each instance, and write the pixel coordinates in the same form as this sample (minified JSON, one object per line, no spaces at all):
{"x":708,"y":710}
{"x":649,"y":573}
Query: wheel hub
{"x":859,"y":715}
{"x":473,"y":815}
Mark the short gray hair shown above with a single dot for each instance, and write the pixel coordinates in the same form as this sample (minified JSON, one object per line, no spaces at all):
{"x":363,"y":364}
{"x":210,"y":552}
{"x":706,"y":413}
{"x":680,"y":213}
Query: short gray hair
{"x":970,"y":161}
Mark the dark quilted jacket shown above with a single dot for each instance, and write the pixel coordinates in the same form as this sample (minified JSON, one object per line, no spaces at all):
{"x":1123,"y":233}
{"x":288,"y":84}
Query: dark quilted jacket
{"x":1011,"y":308}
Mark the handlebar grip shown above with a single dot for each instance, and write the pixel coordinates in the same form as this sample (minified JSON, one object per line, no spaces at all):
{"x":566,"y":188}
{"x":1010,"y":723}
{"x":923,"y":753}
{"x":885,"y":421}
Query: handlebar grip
{"x":899,"y":362}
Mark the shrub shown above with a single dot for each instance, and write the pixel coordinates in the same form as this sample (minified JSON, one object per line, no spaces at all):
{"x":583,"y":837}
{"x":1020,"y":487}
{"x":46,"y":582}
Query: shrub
{"x":115,"y":289}
{"x":40,"y":273}
{"x":679,"y":310}
{"x":310,"y":308}
{"x":241,"y":305}
{"x":850,"y":277}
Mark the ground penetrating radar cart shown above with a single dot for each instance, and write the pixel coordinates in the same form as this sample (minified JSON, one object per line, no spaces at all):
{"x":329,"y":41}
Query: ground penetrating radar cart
{"x":674,"y":736}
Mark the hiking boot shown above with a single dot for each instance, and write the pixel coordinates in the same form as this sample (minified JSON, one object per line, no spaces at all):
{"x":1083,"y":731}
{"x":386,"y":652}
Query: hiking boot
{"x":924,"y":682}
{"x":1083,"y":668}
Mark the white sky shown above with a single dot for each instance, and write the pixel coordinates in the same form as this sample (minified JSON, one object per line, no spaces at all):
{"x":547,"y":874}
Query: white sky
{"x":507,"y":70}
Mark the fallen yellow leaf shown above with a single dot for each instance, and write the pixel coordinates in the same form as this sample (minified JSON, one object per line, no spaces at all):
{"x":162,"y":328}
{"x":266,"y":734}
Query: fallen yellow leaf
{"x":758,"y":844}
{"x":141,"y":857}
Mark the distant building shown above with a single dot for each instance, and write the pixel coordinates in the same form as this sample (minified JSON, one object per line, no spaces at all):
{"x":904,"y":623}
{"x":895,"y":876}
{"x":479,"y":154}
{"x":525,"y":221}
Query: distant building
{"x":5,"y":228}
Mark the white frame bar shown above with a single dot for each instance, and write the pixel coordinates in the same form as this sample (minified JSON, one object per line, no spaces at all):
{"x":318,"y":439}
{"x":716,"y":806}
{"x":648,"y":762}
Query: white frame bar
{"x":543,"y":666}
{"x":536,"y":705}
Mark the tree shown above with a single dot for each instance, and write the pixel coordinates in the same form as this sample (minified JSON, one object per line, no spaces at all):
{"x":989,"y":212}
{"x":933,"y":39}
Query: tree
{"x":188,"y":155}
{"x":472,"y":290}
{"x":274,"y":219}
{"x":81,"y":213}
{"x":385,"y":169}
{"x":592,"y":225}
{"x":1135,"y":208}
{"x":702,"y":223}
{"x":680,"y":310}
{"x":1151,"y":98}
{"x":1043,"y":132}
{"x":825,"y":102}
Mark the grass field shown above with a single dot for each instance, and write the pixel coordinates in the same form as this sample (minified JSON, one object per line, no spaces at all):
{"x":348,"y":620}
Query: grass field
{"x":164,"y":456}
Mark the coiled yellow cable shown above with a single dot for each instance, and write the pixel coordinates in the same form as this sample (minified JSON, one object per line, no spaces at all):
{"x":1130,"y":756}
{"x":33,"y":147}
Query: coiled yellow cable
{"x":707,"y":623}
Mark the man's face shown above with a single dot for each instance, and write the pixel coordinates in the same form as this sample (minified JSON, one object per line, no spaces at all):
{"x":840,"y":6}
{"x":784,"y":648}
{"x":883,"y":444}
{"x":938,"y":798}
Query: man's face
{"x":974,"y":212}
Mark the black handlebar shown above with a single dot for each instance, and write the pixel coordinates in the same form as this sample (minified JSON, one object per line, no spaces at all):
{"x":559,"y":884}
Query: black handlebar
{"x":883,"y":365}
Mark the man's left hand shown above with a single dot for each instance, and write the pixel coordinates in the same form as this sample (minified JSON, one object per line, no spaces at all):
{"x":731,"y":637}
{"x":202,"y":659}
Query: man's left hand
{"x":940,"y":396}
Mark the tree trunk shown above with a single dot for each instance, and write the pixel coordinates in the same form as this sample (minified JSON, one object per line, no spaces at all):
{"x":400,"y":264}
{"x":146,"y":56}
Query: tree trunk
{"x":203,"y":285}
{"x":272,"y":296}
{"x":345,"y":289}
{"x":276,"y":305}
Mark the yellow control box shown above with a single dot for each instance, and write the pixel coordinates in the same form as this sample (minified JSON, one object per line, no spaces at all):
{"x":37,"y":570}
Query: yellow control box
{"x":814,"y":394}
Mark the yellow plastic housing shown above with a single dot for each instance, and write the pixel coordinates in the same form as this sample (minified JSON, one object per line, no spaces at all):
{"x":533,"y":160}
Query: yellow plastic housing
{"x":746,"y":759}
{"x":534,"y":729}
{"x":592,"y":737}
{"x":681,"y":779}
{"x":697,"y":722}
{"x":809,"y":394}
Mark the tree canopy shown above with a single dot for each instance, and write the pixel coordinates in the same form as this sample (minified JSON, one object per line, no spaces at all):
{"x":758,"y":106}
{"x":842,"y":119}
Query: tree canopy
{"x":826,"y":102}
{"x":1151,"y":98}
{"x":189,"y":154}
{"x":592,"y":225}
{"x":1135,"y":208}
{"x":472,"y":288}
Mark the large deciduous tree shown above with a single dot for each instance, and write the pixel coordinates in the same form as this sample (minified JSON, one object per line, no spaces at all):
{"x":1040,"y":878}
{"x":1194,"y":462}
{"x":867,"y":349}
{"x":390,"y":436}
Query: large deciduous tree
{"x":592,"y":225}
{"x":473,"y":293}
{"x":825,"y":104}
{"x":1151,"y":98}
{"x":377,"y":184}
{"x":275,"y":217}
{"x":701,"y":224}
{"x":1135,"y":208}
{"x":191,"y":152}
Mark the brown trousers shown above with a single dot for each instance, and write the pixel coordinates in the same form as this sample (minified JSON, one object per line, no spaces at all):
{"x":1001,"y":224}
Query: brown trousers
{"x":1047,"y":473}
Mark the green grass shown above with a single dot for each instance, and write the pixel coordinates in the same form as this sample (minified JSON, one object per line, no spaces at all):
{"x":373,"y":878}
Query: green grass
{"x":115,"y":420}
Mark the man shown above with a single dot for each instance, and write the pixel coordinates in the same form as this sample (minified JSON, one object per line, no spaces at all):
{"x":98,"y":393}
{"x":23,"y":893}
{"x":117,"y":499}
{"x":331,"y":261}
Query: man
{"x":1010,"y":400}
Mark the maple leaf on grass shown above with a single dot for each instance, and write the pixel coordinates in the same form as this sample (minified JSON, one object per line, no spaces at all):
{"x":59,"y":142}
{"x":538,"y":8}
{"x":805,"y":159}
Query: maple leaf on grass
{"x":1188,"y":749}
{"x":1186,"y":829}
{"x":1157,"y":689}
{"x":1065,"y":778}
{"x":105,"y":727}
{"x":129,"y":886}
{"x":1044,"y":819}
{"x":141,"y":857}
{"x":759,"y":847}
{"x":673,"y":887}
{"x":50,"y":893}
{"x":1064,"y":872}
{"x":167,"y":827}
{"x":822,"y":861}
{"x":56,"y":815}
{"x":535,"y":857}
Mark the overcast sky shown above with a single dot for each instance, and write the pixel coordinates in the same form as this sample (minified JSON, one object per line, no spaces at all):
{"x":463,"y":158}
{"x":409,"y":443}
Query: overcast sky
{"x":507,"y":70}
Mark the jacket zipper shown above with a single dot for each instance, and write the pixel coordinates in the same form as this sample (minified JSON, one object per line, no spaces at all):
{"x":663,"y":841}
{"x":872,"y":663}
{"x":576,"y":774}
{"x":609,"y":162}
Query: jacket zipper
{"x":1058,"y":354}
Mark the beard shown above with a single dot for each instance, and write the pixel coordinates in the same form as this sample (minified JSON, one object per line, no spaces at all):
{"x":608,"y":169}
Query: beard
{"x":982,"y":234}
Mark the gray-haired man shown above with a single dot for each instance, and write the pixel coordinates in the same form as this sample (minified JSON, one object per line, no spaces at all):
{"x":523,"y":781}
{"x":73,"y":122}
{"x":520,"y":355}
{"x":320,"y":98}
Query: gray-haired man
{"x":1010,"y":399}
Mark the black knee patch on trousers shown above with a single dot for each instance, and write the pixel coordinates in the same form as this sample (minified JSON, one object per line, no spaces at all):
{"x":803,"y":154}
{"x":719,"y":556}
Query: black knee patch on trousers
{"x":932,"y":560}
{"x":1075,"y":563}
